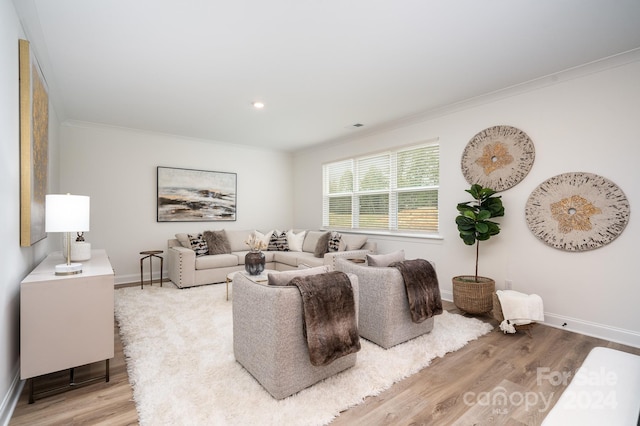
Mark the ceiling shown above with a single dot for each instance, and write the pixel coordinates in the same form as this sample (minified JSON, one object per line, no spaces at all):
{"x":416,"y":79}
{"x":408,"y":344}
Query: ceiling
{"x":194,"y":67}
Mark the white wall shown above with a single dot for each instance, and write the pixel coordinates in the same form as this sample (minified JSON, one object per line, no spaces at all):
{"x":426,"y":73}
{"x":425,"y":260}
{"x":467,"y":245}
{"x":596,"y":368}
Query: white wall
{"x":16,"y":262}
{"x":117,"y":168}
{"x":588,"y":123}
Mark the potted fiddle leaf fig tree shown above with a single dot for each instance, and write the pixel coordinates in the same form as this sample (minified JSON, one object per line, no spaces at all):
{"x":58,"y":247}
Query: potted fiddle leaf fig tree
{"x":472,"y":293}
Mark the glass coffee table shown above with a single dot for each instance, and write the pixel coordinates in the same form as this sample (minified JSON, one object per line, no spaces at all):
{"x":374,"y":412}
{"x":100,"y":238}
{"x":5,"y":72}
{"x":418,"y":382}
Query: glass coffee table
{"x":262,"y":278}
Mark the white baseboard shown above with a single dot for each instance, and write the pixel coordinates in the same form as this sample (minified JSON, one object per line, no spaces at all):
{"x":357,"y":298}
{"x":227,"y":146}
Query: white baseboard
{"x":11,"y":398}
{"x":601,"y":331}
{"x":135,"y":278}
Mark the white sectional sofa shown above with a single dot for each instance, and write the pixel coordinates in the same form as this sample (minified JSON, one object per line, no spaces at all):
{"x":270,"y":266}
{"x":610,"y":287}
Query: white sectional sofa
{"x":188,"y":270}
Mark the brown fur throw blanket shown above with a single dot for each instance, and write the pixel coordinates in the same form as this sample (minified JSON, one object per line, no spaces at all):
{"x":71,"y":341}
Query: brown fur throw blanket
{"x":329,"y":316}
{"x":423,"y":292}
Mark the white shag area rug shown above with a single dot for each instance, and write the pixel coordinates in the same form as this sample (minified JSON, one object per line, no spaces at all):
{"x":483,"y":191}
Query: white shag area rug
{"x":178,"y":346}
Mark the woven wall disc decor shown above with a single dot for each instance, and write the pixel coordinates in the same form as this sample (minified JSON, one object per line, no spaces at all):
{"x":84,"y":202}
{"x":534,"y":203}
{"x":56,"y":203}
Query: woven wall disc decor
{"x":577,"y":211}
{"x":498,"y":157}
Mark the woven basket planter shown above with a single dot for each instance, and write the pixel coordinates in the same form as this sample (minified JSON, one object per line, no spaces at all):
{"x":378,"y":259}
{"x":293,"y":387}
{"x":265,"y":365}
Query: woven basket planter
{"x":473,"y":297}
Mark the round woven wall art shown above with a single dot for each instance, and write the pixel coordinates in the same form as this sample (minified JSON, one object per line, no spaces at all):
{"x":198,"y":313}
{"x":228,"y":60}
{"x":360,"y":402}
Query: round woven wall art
{"x":498,"y":157}
{"x":577,"y":211}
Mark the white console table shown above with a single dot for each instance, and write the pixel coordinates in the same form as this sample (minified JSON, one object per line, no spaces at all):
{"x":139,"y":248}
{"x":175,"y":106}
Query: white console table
{"x":66,"y":321}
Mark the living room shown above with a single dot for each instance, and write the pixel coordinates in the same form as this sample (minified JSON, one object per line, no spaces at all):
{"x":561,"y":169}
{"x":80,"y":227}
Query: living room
{"x":583,"y":119}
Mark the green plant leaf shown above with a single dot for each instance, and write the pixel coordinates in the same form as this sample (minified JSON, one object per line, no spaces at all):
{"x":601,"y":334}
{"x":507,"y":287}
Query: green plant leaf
{"x":463,"y":220}
{"x":470,"y":214}
{"x":484,"y":215}
{"x":482,"y":227}
{"x":468,"y":239}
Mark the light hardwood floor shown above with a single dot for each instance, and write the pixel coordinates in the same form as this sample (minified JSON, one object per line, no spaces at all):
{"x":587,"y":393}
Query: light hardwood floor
{"x":461,"y":388}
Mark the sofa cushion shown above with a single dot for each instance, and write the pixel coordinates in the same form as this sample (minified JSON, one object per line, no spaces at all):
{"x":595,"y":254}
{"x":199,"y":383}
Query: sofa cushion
{"x":308,"y":259}
{"x":283,"y":278}
{"x":278,"y":241}
{"x":237,"y":239}
{"x":294,"y":240}
{"x":217,"y":242}
{"x":287,"y":257}
{"x":385,"y":259}
{"x":198,"y":244}
{"x":216,"y":261}
{"x":354,"y":242}
{"x":268,"y":256}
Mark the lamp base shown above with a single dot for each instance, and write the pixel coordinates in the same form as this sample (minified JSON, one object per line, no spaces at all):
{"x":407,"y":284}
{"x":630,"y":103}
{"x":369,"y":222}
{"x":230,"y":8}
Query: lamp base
{"x":68,"y":269}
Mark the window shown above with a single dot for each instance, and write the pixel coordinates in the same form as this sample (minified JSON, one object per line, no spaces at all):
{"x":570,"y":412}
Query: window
{"x":394,"y":190}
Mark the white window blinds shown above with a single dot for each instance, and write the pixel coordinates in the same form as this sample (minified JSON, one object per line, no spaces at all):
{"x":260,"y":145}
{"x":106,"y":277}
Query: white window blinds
{"x":394,"y":190}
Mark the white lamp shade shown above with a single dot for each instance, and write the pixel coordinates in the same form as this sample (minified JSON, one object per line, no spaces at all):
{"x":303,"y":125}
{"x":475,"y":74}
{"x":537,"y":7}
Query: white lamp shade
{"x":67,"y":213}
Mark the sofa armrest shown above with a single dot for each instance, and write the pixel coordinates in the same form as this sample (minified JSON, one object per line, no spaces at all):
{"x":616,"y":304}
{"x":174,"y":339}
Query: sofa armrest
{"x":182,"y":266}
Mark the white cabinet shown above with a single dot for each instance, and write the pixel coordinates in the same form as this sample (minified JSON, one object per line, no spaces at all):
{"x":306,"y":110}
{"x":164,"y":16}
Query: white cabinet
{"x":66,"y":321}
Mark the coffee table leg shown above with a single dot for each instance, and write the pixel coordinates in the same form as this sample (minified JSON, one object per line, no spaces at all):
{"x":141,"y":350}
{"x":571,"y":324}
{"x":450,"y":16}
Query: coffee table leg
{"x":227,"y":288}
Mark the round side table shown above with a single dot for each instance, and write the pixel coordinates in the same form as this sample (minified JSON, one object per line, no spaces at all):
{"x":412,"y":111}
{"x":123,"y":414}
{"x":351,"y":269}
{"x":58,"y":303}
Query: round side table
{"x":150,"y":254}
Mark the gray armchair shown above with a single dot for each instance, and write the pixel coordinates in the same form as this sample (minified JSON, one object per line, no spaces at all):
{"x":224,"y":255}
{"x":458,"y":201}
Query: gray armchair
{"x":384,"y":316}
{"x":268,"y":338}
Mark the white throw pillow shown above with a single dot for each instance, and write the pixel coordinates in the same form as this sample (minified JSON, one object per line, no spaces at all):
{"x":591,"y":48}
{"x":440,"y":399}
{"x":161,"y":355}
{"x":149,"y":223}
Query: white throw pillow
{"x":295,"y":241}
{"x":263,"y":237}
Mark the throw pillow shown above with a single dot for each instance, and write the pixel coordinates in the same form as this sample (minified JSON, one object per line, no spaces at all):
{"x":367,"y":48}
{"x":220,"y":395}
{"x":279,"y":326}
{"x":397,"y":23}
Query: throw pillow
{"x":385,"y":259}
{"x":198,"y":244}
{"x":263,"y":237}
{"x":335,"y":240}
{"x":294,"y":240}
{"x":354,"y":242}
{"x":183,"y":239}
{"x":278,"y":242}
{"x":322,"y":246}
{"x":217,"y":242}
{"x":283,"y":278}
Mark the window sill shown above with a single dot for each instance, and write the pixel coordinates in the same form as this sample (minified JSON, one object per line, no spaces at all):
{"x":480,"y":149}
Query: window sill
{"x":388,"y":233}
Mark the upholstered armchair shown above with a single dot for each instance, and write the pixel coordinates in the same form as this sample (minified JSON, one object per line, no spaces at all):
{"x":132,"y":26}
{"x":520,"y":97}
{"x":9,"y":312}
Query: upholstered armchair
{"x":268,"y":339}
{"x":384,"y":317}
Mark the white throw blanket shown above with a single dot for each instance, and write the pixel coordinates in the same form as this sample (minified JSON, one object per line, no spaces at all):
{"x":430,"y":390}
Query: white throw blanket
{"x":519,"y":309}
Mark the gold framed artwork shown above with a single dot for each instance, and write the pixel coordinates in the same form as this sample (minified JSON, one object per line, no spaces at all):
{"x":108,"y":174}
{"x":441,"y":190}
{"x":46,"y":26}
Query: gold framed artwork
{"x":34,"y":147}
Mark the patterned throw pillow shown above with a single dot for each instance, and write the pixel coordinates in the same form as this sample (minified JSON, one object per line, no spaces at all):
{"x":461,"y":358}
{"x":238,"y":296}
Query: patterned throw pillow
{"x":198,"y":244}
{"x":278,"y":242}
{"x":334,"y":241}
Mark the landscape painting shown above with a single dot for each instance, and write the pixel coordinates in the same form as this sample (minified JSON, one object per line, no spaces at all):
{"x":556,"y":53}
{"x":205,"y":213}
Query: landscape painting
{"x":186,"y":195}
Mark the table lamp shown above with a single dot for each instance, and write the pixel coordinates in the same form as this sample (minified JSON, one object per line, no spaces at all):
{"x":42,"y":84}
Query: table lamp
{"x":67,"y":213}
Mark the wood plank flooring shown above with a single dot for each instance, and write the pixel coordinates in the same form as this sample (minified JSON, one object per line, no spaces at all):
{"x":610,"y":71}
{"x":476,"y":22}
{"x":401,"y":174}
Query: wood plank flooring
{"x":466,"y":387}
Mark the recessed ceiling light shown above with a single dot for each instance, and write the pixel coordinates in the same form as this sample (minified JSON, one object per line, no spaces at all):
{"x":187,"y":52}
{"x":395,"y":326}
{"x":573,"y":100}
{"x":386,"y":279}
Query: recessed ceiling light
{"x":258,"y":105}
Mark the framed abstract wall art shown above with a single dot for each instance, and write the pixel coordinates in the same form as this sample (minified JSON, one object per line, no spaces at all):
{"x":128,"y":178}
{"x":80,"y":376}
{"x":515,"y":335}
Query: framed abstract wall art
{"x":34,"y":146}
{"x":186,"y":195}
